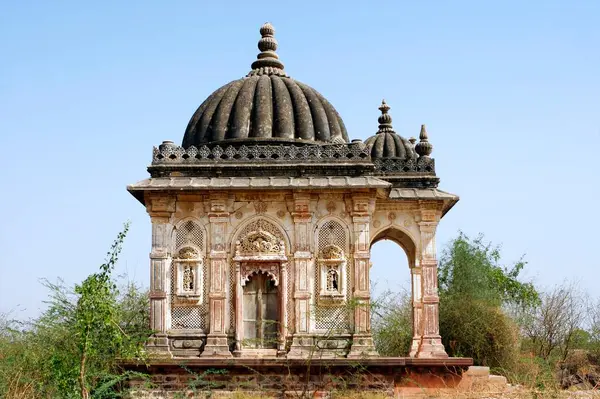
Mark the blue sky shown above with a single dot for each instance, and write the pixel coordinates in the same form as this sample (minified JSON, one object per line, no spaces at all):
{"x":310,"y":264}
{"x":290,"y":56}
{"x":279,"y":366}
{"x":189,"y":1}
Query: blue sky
{"x":509,"y":90}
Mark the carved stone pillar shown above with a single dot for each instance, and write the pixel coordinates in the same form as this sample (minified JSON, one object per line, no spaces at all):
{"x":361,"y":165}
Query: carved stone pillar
{"x":417,"y":309}
{"x":239,"y":324}
{"x":160,"y":210}
{"x":284,"y":306}
{"x":216,"y":341}
{"x":431,"y":345}
{"x":362,"y":342}
{"x":304,"y":274}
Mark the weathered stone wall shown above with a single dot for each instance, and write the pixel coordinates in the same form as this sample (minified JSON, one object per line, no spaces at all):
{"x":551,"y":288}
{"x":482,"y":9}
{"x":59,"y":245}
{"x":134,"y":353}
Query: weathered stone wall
{"x":314,"y":228}
{"x":293,"y":380}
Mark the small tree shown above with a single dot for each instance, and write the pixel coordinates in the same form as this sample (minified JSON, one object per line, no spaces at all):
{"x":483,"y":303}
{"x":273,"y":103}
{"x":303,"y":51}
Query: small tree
{"x":594,"y":311}
{"x":474,"y":289}
{"x":553,"y":325}
{"x":97,"y":331}
{"x":72,"y":350}
{"x":471,"y":270}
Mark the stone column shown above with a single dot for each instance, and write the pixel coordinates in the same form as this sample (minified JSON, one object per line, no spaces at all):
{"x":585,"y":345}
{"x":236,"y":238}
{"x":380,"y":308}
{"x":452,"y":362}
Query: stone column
{"x":417,"y":309}
{"x":304,"y":275}
{"x":239,"y":325}
{"x":283,"y":281}
{"x":216,"y":341}
{"x":160,"y":210}
{"x":362,"y":341}
{"x":431,"y":346}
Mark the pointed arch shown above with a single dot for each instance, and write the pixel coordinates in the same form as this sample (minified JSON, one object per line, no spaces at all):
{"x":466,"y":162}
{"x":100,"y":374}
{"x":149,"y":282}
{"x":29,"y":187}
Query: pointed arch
{"x":333,"y":233}
{"x":189,"y":232}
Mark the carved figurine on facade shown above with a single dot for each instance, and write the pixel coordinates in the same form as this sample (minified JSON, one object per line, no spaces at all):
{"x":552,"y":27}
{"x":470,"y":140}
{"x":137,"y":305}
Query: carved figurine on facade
{"x":263,"y":220}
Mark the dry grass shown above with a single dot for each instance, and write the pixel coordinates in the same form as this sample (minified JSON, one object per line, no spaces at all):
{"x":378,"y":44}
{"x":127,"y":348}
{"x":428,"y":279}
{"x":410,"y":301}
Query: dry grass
{"x":17,"y":389}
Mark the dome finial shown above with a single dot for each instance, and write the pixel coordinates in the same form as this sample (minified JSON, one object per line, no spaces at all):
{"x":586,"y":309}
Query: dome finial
{"x":267,"y":61}
{"x":385,"y":120}
{"x":423,"y":147}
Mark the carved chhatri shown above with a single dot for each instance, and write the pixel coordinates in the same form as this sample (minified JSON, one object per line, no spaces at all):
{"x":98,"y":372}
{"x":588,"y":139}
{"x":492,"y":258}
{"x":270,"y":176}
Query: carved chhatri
{"x":263,"y":220}
{"x":386,"y":143}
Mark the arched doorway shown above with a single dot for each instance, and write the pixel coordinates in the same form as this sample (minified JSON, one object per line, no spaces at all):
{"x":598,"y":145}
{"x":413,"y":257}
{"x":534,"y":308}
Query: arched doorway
{"x":395,"y":293}
{"x":391,"y":308}
{"x":260,"y":312}
{"x":261,"y":301}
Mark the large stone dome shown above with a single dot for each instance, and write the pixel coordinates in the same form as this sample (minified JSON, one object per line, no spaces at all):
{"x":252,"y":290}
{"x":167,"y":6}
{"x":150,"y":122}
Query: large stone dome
{"x":265,"y":106}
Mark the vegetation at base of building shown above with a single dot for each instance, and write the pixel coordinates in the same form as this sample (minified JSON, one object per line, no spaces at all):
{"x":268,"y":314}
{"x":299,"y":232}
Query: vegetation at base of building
{"x":71,"y":349}
{"x":391,"y":323}
{"x":473,"y":288}
{"x":543,"y":340}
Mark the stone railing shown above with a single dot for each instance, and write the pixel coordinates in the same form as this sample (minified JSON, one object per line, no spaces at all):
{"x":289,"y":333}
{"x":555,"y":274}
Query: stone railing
{"x":170,"y":154}
{"x":417,"y":165}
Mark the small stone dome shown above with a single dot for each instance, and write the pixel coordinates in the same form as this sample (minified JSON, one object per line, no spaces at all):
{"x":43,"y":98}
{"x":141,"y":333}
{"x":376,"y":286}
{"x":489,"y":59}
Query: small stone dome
{"x":386,"y":143}
{"x":265,"y":106}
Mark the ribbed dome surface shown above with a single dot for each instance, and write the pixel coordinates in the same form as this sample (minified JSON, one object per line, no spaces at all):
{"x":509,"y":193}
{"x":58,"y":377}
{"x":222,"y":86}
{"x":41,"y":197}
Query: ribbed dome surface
{"x":390,"y":145}
{"x":266,"y":105}
{"x":386,"y":143}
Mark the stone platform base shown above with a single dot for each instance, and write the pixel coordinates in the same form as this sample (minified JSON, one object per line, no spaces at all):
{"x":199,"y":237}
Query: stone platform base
{"x":280,"y":377}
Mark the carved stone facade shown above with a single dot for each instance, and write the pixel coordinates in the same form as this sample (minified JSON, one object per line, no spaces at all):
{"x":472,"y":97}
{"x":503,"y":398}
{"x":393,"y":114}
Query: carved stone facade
{"x":312,"y":247}
{"x":261,"y":238}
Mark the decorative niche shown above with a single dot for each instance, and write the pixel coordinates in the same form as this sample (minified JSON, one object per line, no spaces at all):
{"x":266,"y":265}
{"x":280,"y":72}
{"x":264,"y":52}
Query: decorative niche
{"x":188,"y":276}
{"x":332,"y":274}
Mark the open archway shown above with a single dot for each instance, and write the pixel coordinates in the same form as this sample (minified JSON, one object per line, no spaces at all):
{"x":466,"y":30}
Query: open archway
{"x":390,"y":270}
{"x":392,"y":256}
{"x":392,"y":314}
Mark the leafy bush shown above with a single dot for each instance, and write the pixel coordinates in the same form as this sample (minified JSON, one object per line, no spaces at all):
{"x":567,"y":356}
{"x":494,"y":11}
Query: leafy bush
{"x":72,"y":349}
{"x":470,"y":269}
{"x":474,"y":289}
{"x":475,"y":329}
{"x":391,"y":316}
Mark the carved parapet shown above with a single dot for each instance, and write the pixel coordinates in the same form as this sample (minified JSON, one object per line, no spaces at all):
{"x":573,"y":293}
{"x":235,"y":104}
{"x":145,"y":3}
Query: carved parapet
{"x":173,"y":155}
{"x":399,"y":165}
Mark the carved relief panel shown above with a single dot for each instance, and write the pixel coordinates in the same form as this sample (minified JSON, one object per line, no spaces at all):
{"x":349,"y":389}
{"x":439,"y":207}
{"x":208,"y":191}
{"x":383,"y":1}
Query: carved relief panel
{"x":189,"y":307}
{"x":332,"y":278}
{"x":189,"y":275}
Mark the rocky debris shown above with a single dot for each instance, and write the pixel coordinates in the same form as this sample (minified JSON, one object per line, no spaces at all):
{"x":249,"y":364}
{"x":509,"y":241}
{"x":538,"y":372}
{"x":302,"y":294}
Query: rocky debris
{"x":580,"y":371}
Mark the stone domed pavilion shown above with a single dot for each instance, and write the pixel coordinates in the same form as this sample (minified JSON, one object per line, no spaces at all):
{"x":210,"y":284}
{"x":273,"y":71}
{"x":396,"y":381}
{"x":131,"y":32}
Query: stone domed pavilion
{"x":263,"y":220}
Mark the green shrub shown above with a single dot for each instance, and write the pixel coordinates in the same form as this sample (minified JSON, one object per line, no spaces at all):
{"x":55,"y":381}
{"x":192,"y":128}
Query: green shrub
{"x":391,"y":318}
{"x":475,"y":329}
{"x":72,"y":350}
{"x":474,"y":289}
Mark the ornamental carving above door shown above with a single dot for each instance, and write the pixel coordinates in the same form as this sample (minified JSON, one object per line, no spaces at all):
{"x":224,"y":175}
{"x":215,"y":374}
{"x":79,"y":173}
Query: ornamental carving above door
{"x":269,"y":268}
{"x":260,"y":242}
